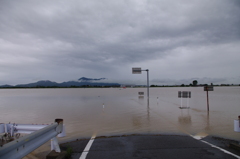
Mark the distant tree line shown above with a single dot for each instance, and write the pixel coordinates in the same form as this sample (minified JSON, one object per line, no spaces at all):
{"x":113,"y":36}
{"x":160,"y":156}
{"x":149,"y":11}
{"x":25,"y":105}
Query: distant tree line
{"x":193,"y":84}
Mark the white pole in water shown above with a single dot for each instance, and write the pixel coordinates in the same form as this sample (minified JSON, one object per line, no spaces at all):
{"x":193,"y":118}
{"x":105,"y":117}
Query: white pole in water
{"x":147,"y":83}
{"x":181,"y":102}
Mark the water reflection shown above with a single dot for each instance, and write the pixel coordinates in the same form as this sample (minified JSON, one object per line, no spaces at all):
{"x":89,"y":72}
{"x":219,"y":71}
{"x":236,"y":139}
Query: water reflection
{"x":185,"y":118}
{"x":141,"y":97}
{"x":148,"y":111}
{"x":137,"y":121}
{"x":207,"y":122}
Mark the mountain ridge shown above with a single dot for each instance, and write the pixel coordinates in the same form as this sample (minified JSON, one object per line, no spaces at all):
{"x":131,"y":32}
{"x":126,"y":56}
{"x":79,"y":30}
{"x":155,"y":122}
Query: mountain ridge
{"x":47,"y":83}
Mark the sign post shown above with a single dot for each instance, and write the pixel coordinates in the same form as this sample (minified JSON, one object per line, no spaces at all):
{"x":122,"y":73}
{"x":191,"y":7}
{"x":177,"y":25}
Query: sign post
{"x":138,"y":70}
{"x":208,"y":88}
{"x":147,"y":83}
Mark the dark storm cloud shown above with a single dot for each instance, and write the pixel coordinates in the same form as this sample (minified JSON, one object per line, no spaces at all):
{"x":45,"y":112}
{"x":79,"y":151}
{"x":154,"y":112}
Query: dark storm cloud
{"x":70,"y":39}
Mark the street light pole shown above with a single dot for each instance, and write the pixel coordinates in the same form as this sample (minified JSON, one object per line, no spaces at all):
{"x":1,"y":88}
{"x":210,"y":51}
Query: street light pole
{"x":147,"y":82}
{"x":138,"y":70}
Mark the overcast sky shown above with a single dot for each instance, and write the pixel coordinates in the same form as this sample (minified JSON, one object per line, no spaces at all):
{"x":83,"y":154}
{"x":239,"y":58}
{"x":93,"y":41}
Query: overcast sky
{"x":177,"y":40}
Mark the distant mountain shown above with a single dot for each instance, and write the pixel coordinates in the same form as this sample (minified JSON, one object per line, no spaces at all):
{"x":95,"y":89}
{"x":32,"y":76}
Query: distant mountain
{"x":5,"y":86}
{"x":81,"y":82}
{"x":76,"y":83}
{"x":39,"y":83}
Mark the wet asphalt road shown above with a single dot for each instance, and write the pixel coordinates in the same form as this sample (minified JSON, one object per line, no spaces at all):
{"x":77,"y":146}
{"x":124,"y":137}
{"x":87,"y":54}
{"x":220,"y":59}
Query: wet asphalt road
{"x":148,"y":147}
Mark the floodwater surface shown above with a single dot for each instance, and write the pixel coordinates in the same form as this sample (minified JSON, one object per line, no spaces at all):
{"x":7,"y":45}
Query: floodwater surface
{"x":117,"y":111}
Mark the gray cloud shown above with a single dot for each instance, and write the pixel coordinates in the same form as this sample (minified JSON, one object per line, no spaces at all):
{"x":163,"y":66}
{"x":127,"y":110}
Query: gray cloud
{"x":63,"y":40}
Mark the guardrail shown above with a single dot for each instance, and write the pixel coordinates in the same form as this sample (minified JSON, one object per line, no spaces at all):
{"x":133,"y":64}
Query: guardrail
{"x":39,"y":134}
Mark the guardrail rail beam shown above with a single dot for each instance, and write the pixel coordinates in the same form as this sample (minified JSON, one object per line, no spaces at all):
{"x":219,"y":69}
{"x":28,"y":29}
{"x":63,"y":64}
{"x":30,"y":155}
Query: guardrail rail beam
{"x":19,"y":148}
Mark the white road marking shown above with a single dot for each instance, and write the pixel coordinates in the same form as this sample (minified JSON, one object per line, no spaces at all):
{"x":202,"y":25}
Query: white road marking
{"x":201,"y":136}
{"x":225,"y":151}
{"x":87,"y":148}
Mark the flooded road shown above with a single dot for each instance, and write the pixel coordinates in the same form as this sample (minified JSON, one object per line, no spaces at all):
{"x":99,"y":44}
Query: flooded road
{"x":115,"y":111}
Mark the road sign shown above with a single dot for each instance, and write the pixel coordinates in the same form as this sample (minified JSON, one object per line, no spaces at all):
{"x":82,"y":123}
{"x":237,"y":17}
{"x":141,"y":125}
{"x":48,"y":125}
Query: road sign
{"x":208,"y":88}
{"x":237,"y":125}
{"x":136,"y":70}
{"x":184,"y":94}
{"x":179,"y":94}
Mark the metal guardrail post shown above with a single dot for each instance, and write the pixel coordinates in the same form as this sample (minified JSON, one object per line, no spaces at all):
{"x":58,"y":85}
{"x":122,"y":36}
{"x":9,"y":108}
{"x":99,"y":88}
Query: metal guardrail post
{"x":19,"y":148}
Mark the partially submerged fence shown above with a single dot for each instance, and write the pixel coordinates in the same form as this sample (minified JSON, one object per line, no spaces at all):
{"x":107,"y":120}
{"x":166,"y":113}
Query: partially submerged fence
{"x":38,"y":135}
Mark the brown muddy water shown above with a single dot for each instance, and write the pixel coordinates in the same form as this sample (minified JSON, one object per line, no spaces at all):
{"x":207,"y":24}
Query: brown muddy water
{"x":115,"y":111}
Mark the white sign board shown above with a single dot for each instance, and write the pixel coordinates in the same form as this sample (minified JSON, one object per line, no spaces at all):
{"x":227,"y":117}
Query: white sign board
{"x":184,"y":94}
{"x":136,"y":70}
{"x":236,"y":125}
